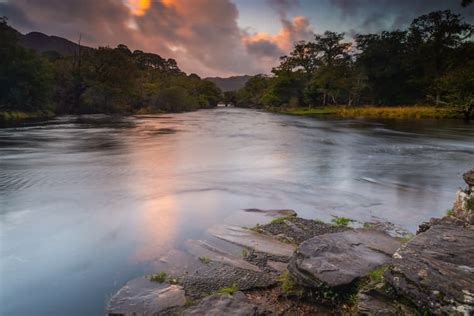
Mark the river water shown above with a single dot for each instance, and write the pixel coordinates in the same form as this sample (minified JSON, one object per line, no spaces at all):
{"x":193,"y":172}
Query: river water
{"x":88,"y":203}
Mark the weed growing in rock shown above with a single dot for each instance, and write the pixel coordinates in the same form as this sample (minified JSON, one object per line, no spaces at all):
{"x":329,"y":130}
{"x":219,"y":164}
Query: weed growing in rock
{"x":287,"y":284}
{"x":228,"y":290}
{"x":205,"y":259}
{"x":158,"y":277}
{"x":377,"y":274}
{"x":245,"y":253}
{"x":280,"y":219}
{"x":406,"y":238}
{"x":450,"y":212}
{"x":341,"y":221}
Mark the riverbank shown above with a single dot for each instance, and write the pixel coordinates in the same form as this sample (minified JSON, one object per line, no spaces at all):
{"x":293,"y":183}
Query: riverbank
{"x":399,"y":112}
{"x":9,"y":116}
{"x":292,"y":265}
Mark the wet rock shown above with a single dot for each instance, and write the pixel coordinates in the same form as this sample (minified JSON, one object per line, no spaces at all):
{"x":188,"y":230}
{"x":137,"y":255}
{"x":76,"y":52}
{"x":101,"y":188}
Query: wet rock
{"x":469,"y":179}
{"x":338,"y":259}
{"x":273,"y":213}
{"x":224,"y":304}
{"x":435,"y":269}
{"x":387,"y":227}
{"x":375,"y":300}
{"x":143,"y":297}
{"x":297,"y":230}
{"x":254,"y":240}
{"x":201,"y":248}
{"x":215,"y":275}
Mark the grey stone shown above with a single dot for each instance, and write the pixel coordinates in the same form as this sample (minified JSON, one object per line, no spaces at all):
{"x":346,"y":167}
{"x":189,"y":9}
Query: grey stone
{"x":215,"y":275}
{"x":143,"y":297}
{"x":469,"y":178}
{"x":340,"y":258}
{"x":223,"y":304}
{"x":254,"y":240}
{"x":435,"y":269}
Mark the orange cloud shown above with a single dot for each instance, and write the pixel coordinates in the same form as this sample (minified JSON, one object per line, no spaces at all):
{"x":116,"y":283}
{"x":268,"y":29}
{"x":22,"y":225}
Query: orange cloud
{"x":138,"y":7}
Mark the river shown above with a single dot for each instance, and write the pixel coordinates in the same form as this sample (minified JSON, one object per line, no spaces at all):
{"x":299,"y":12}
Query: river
{"x":88,"y":203}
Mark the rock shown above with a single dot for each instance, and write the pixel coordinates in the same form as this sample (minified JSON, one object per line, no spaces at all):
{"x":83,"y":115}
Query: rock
{"x":272,"y":213}
{"x":251,"y":239}
{"x":223,"y":304}
{"x":375,"y":301}
{"x":297,"y":230}
{"x":201,"y":248}
{"x":435,"y":269}
{"x":469,"y":179}
{"x":463,"y":207}
{"x":215,"y":275}
{"x":340,"y":258}
{"x":143,"y":297}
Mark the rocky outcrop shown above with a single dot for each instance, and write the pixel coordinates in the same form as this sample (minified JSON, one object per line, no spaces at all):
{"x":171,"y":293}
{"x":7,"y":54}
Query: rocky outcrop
{"x":144,"y":297}
{"x":224,"y":304}
{"x":339,"y":259}
{"x":469,"y":179}
{"x":215,"y":275}
{"x":435,"y":270}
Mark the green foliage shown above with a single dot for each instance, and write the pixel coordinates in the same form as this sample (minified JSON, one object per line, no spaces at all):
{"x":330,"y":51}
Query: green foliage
{"x":431,"y":61}
{"x":341,"y":221}
{"x":280,"y":219}
{"x":228,"y":290}
{"x":376,"y":275}
{"x":244,"y":253}
{"x":286,"y":283}
{"x":158,"y":277}
{"x":450,"y":212}
{"x":470,"y":202}
{"x":103,"y":80}
{"x":205,"y":259}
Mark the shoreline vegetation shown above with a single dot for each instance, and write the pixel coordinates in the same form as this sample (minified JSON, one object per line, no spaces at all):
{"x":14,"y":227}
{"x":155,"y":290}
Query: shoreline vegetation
{"x":393,"y":112}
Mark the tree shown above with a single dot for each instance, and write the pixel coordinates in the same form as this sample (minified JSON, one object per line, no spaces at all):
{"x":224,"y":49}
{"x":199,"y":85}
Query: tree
{"x":437,"y":36}
{"x":25,"y":78}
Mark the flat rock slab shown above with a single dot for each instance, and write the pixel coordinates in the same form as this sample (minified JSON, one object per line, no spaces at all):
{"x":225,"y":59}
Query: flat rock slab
{"x":141,"y":297}
{"x":223,"y":304}
{"x":435,"y":270}
{"x":215,"y":275}
{"x":254,"y":240}
{"x":340,"y":258}
{"x":202,"y":248}
{"x":296,"y":229}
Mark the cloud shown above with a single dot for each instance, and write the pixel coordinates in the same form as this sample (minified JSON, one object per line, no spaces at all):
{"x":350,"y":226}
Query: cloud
{"x":202,"y":35}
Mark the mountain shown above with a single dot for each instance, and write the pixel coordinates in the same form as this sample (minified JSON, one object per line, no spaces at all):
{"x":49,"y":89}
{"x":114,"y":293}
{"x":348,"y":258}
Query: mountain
{"x":43,"y":43}
{"x":231,"y":83}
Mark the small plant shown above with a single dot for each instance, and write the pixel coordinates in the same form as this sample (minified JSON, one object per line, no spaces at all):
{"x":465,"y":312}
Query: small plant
{"x":257,"y":228}
{"x":341,"y":221}
{"x":205,"y":259}
{"x":368,"y":225}
{"x":188,"y":302}
{"x":377,"y":274}
{"x":318,"y":221}
{"x":158,"y":277}
{"x":280,"y":219}
{"x":406,"y":238}
{"x":450,"y":212}
{"x":228,"y":290}
{"x":287,"y":284}
{"x":245,"y":253}
{"x":470,"y":202}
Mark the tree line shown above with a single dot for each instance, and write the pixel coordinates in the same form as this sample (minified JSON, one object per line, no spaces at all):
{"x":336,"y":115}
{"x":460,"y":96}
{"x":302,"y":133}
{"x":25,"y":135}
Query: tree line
{"x":103,"y":80}
{"x":429,"y":62}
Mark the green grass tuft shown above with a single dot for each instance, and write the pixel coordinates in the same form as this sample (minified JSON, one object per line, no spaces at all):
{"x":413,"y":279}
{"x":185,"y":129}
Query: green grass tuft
{"x":228,"y":290}
{"x":341,"y":221}
{"x":406,"y":238}
{"x":205,"y":259}
{"x":376,"y":275}
{"x":287,"y":284}
{"x":280,"y":219}
{"x":450,"y":212}
{"x":158,"y":277}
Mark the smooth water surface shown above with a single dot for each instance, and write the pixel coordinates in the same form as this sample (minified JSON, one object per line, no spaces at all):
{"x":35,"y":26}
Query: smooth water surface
{"x":89,"y":203}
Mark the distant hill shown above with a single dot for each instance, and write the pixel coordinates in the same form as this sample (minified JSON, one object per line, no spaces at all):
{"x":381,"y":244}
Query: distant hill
{"x":43,"y":43}
{"x":230,"y":84}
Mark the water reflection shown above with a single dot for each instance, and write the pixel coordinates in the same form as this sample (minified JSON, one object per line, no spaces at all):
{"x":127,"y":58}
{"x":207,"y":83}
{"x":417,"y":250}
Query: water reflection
{"x":88,"y":203}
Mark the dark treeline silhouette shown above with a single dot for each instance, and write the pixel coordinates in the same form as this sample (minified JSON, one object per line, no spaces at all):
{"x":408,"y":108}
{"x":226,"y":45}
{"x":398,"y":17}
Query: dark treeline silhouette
{"x":103,"y":80}
{"x":430,"y":62}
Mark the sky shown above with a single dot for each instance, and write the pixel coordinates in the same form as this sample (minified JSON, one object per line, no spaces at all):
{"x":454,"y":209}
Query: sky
{"x":215,"y":37}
